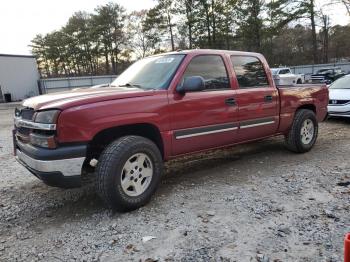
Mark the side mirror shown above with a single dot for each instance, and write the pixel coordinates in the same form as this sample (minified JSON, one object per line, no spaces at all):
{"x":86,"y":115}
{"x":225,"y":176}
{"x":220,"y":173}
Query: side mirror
{"x":191,"y":84}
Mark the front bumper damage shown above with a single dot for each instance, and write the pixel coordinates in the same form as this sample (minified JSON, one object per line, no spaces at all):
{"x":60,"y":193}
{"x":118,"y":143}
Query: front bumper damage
{"x":61,"y":167}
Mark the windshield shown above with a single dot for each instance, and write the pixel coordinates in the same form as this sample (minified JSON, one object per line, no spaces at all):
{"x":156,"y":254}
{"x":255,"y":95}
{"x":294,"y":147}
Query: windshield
{"x":323,"y":71}
{"x":342,"y":83}
{"x":274,"y":71}
{"x":150,"y":73}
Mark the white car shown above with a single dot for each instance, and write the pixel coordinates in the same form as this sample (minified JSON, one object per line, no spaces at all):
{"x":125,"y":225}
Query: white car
{"x":284,"y":76}
{"x":339,"y":97}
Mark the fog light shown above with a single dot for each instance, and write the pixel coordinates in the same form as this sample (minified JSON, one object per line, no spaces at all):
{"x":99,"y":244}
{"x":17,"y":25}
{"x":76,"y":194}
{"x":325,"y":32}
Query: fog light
{"x":42,"y":141}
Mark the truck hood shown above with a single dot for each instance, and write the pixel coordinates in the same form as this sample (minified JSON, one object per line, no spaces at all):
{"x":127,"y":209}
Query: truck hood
{"x":320,"y":74}
{"x":67,"y":99}
{"x":339,"y":94}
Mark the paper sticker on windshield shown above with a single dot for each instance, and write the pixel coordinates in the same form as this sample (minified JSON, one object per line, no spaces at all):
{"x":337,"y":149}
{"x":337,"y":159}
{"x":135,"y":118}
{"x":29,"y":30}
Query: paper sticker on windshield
{"x":165,"y":60}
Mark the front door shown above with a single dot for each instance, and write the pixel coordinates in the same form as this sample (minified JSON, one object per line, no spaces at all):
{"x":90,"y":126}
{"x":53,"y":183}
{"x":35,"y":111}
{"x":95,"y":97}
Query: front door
{"x":205,"y":119}
{"x":257,"y":99}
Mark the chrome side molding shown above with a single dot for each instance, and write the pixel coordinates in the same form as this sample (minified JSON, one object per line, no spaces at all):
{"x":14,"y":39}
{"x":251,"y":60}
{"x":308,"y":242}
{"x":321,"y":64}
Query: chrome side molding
{"x":205,"y":130}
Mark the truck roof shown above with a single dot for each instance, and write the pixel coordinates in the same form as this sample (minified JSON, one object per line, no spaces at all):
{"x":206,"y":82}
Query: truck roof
{"x":213,"y":51}
{"x":329,"y":68}
{"x":279,"y":68}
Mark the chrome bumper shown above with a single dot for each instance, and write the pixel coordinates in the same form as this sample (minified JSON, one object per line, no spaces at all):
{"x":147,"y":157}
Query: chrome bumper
{"x":67,"y":167}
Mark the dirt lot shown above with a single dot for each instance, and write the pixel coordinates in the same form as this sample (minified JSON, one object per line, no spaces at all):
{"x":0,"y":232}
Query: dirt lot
{"x":255,"y":202}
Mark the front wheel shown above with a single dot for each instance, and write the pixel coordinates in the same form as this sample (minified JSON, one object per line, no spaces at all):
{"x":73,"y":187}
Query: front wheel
{"x":128,"y":173}
{"x":303,"y":133}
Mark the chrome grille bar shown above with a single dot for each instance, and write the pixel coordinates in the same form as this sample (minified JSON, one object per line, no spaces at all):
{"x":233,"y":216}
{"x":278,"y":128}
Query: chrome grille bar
{"x":19,"y":122}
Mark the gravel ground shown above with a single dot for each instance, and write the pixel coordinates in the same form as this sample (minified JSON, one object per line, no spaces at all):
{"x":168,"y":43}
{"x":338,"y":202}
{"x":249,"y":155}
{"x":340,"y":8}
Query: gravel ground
{"x":255,"y":202}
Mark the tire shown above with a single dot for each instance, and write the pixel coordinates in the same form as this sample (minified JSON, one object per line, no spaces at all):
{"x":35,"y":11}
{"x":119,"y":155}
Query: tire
{"x":296,"y":139}
{"x":299,"y":82}
{"x":118,"y":168}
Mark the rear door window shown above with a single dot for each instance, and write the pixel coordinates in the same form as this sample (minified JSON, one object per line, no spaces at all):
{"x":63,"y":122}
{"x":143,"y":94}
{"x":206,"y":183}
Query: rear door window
{"x":250,"y":72}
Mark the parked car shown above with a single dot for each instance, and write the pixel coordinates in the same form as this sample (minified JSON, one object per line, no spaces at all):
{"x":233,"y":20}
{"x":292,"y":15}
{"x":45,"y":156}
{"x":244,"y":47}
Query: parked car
{"x":162,"y":107}
{"x":327,"y":75}
{"x":339,"y":97}
{"x":284,"y":76}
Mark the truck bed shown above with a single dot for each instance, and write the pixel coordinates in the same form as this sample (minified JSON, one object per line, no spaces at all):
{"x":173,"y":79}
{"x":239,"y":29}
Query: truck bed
{"x":308,"y":96}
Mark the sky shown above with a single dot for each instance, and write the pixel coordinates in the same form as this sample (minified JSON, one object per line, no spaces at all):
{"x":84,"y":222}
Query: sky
{"x":21,"y":20}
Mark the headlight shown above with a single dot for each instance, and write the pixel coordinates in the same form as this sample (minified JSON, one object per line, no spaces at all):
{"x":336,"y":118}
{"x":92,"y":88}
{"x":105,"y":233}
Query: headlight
{"x":47,"y":117}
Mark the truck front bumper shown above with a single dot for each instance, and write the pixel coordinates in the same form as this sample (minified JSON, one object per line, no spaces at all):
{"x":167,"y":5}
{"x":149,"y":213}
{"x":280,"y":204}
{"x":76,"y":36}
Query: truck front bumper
{"x":60,"y":167}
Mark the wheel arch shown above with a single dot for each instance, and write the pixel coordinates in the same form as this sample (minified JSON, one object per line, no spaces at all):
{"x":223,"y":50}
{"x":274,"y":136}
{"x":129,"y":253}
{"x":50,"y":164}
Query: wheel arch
{"x":106,"y":136}
{"x":311,"y":107}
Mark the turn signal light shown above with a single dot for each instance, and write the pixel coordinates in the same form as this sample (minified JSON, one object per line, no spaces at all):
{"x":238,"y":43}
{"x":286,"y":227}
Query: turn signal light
{"x":43,"y":141}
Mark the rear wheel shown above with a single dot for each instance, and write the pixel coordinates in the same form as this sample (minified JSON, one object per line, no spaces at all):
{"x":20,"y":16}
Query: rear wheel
{"x":303,"y":133}
{"x":299,"y":82}
{"x":128,"y":173}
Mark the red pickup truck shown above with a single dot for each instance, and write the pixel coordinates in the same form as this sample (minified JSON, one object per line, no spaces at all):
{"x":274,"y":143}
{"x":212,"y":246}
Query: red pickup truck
{"x":160,"y":108}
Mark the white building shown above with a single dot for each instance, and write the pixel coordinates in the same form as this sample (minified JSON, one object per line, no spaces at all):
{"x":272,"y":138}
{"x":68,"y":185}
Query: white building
{"x":18,"y":76}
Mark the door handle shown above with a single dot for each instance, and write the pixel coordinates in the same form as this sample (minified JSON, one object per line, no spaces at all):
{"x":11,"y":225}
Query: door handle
{"x":230,"y":101}
{"x":268,"y":98}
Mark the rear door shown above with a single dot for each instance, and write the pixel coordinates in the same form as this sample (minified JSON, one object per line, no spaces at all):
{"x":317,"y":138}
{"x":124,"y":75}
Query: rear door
{"x":257,"y":98}
{"x":204,"y":119}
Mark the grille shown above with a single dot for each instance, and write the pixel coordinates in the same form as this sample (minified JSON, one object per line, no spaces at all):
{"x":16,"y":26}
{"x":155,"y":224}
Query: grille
{"x":22,"y":132}
{"x":338,"y":102}
{"x":27,"y":113}
{"x":317,"y":79}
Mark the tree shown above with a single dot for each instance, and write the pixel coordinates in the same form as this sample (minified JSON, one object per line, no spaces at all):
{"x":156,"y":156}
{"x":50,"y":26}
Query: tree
{"x":187,"y":7}
{"x":155,"y":27}
{"x":324,"y":35}
{"x":347,"y":5}
{"x":166,"y":11}
{"x":80,"y":41}
{"x":227,"y":15}
{"x":145,"y":37}
{"x":38,"y":45}
{"x":293,"y":46}
{"x":339,"y":46}
{"x":108,"y":24}
{"x":206,"y":8}
{"x":251,"y":24}
{"x":279,"y":14}
{"x":310,"y":11}
{"x":287,"y":32}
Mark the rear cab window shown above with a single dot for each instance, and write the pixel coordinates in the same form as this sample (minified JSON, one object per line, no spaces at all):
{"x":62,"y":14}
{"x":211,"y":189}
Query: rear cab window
{"x":213,"y":70}
{"x":249,"y":71}
{"x":284,"y":72}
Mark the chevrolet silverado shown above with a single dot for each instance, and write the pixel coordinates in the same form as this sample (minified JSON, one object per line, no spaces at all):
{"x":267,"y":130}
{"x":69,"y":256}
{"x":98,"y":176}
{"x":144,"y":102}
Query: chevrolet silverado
{"x":160,"y":108}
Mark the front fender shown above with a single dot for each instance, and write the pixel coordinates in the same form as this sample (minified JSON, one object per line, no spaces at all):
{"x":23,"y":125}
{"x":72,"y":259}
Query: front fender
{"x":82,"y":123}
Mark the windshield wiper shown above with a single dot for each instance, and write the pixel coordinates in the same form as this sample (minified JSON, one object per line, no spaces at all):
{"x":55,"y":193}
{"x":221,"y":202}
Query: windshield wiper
{"x":131,"y":85}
